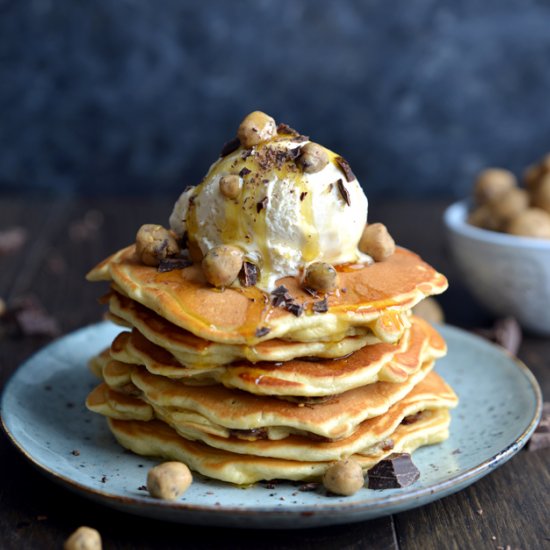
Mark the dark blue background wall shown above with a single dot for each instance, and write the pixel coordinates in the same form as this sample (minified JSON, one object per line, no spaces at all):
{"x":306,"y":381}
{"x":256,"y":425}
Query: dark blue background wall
{"x":138,"y":95}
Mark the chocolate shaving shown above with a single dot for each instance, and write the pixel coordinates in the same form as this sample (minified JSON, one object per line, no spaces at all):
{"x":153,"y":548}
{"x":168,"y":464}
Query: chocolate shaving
{"x":321,"y":306}
{"x":262,"y":204}
{"x":280,"y":290}
{"x":246,"y":153}
{"x":345,"y":167}
{"x":295,"y":309}
{"x":230,"y":146}
{"x":170,"y":264}
{"x":244,"y":172}
{"x":395,"y":471}
{"x":283,"y":128}
{"x":344,"y":192}
{"x":248,"y":276}
{"x":261,"y":331}
{"x":303,"y":195}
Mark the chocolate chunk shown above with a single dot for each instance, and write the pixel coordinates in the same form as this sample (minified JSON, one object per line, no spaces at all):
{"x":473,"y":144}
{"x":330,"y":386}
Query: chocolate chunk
{"x":230,"y":146}
{"x":248,"y":275}
{"x":246,"y":153}
{"x":262,"y":204}
{"x":321,"y":306}
{"x":344,"y":192}
{"x":170,"y":264}
{"x":281,"y":290}
{"x":244,"y":172}
{"x":395,"y":471}
{"x":278,"y":300}
{"x":303,"y":195}
{"x":12,"y":239}
{"x":261,"y":331}
{"x":75,"y":452}
{"x":283,"y":128}
{"x":295,"y":309}
{"x":345,"y":167}
{"x":412,"y":418}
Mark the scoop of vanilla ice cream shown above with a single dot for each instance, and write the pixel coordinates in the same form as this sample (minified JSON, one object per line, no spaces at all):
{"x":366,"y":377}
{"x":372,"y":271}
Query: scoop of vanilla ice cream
{"x":283,"y":218}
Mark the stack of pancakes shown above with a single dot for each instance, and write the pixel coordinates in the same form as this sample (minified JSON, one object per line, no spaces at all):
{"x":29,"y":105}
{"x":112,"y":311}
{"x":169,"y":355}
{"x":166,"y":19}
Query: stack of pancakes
{"x":242,"y":389}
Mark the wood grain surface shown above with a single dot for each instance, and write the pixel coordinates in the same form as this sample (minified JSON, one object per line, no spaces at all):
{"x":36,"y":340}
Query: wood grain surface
{"x":507,"y":509}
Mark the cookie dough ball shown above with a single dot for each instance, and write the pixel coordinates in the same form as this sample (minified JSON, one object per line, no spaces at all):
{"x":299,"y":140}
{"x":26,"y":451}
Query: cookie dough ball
{"x":533,"y":222}
{"x":429,"y":310}
{"x":155,"y":243}
{"x":84,"y":538}
{"x":344,"y":477}
{"x":255,"y":128}
{"x":509,"y":205}
{"x":168,"y":480}
{"x":493,"y":183}
{"x":541,"y":195}
{"x":222,"y":264}
{"x":313,"y":158}
{"x":377,"y":242}
{"x":321,"y":276}
{"x":483,"y":217}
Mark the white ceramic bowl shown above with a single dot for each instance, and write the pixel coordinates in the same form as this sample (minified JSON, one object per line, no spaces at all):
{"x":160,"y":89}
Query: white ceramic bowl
{"x":509,"y":275}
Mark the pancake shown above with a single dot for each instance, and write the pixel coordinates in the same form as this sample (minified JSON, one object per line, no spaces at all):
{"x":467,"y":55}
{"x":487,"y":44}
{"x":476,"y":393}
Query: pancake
{"x":223,"y":412}
{"x":155,"y":438}
{"x":246,"y":316}
{"x":192,"y":351}
{"x":429,"y":394}
{"x":370,"y":364}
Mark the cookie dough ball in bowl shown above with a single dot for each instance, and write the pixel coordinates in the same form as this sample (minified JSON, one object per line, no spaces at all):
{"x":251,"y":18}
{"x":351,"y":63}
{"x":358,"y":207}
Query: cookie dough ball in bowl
{"x":508,"y":274}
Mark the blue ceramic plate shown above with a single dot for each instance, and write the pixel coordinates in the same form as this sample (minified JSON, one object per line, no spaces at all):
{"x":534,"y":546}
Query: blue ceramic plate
{"x":44,"y":415}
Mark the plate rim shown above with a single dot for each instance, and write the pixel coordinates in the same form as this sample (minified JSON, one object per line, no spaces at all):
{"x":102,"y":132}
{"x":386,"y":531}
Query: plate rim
{"x":384,"y":504}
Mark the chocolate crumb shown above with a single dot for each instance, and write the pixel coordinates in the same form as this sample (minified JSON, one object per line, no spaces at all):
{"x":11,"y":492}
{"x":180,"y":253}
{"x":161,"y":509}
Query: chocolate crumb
{"x":230,"y":146}
{"x":308,"y":487}
{"x":170,"y":264}
{"x":75,"y":452}
{"x":295,"y":309}
{"x":103,"y":479}
{"x":261,"y":331}
{"x":248,"y":276}
{"x":345,"y":167}
{"x":343,"y":192}
{"x":262,"y":204}
{"x":321,"y":306}
{"x":12,"y":239}
{"x":244,"y":172}
{"x":456,"y":452}
{"x":142,"y":488}
{"x":303,"y":195}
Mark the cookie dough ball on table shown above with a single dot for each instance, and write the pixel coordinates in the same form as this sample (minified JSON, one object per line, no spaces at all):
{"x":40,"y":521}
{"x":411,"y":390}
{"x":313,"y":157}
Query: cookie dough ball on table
{"x":344,"y":477}
{"x":533,"y":222}
{"x":493,"y":183}
{"x":84,"y":538}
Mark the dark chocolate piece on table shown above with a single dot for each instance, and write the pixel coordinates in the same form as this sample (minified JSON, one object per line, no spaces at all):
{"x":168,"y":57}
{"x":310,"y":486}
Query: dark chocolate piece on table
{"x":395,"y":471}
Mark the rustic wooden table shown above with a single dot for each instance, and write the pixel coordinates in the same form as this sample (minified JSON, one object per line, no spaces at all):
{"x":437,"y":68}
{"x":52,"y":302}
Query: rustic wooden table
{"x":507,"y":509}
